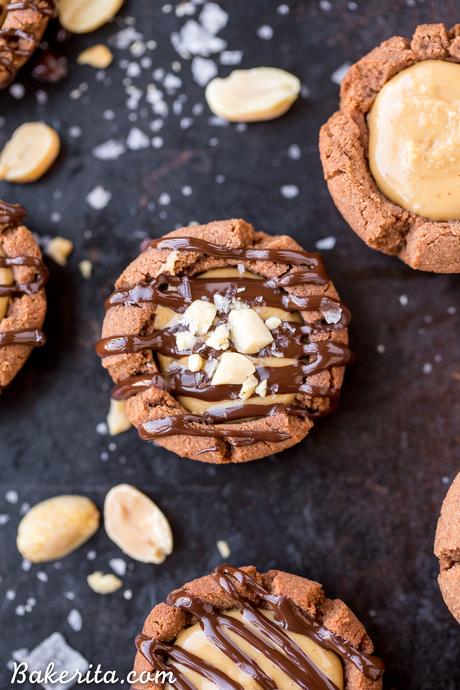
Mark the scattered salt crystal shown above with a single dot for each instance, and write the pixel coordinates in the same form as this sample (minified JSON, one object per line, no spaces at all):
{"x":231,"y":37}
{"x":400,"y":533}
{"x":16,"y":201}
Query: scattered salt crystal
{"x":326,"y":243}
{"x":17,"y":91}
{"x":326,"y":5}
{"x":91,"y":555}
{"x":11,"y":496}
{"x":110,"y":150}
{"x":102,"y":428}
{"x":128,"y":594}
{"x":98,"y":198}
{"x":380,"y":349}
{"x":137,"y":140}
{"x":10,"y":594}
{"x":403,"y":300}
{"x":125,"y":38}
{"x":203,"y":70}
{"x":213,"y":18}
{"x":118,"y":566}
{"x":75,"y":620}
{"x":265,"y":32}
{"x":195,"y":39}
{"x":56,"y":650}
{"x":289,"y":191}
{"x":164,"y":199}
{"x":4,"y":519}
{"x":283,"y":9}
{"x":338,"y":74}
{"x":294,"y":152}
{"x":42,"y":576}
{"x":427,"y":368}
{"x":231,"y":57}
{"x":75,"y":131}
{"x":186,"y":190}
{"x":332,"y":314}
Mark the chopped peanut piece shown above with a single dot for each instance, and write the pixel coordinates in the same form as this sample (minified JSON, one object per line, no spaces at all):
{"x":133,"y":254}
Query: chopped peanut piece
{"x":117,"y":420}
{"x":98,"y":56}
{"x":59,"y":249}
{"x":104,"y":584}
{"x":29,"y":153}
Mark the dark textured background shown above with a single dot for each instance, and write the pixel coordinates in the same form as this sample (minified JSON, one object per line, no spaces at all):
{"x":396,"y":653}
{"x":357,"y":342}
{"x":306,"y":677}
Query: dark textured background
{"x":355,"y":505}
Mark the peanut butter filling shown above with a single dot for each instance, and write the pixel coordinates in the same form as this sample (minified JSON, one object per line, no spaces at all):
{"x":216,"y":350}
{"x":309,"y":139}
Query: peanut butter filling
{"x":414,"y":139}
{"x":6,"y":278}
{"x":165,"y":317}
{"x":194,"y":640}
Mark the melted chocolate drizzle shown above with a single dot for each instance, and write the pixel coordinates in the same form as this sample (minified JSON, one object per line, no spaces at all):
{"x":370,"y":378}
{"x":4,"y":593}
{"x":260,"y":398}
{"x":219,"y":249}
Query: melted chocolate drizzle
{"x":14,"y":39}
{"x":33,"y":337}
{"x":11,"y":215}
{"x":270,"y":638}
{"x":290,"y":339}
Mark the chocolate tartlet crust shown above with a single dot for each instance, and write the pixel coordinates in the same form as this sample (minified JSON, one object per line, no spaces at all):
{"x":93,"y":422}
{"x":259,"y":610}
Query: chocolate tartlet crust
{"x":447,"y":548}
{"x":156,"y":403}
{"x":20,"y":328}
{"x":165,"y":622}
{"x":23,"y":26}
{"x":421,"y":243}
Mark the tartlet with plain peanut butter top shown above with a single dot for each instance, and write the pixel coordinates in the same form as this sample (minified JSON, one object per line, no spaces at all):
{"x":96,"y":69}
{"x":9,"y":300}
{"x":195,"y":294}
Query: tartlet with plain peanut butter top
{"x":226,"y":343}
{"x":240,"y":629}
{"x":391,"y":154}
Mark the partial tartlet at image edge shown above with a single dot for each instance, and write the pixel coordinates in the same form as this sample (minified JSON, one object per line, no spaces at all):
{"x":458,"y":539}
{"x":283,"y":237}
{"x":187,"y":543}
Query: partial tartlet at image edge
{"x":225,"y":342}
{"x":22,"y":25}
{"x":447,"y":548}
{"x":422,"y":242}
{"x":304,"y":640}
{"x":22,"y":295}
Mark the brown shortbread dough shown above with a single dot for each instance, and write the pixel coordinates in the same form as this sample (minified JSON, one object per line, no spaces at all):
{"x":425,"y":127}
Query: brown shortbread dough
{"x":25,"y":311}
{"x":447,"y":548}
{"x":156,"y":403}
{"x":421,"y":243}
{"x":28,"y":20}
{"x":164,"y":622}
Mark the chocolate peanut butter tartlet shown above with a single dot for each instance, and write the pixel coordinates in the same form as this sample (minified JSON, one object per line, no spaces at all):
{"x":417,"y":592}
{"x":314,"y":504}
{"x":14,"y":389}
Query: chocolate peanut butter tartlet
{"x":447,"y":548}
{"x":22,"y":295}
{"x":391,"y":154}
{"x":226,"y":343}
{"x":22,"y":25}
{"x":238,"y":629}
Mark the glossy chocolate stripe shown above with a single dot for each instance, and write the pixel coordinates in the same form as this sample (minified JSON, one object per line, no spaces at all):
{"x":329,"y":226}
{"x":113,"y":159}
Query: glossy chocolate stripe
{"x":30,"y":287}
{"x":295,"y":257}
{"x":253,"y":292}
{"x":11,"y":214}
{"x":33,"y":337}
{"x":291,"y":619}
{"x":205,"y":425}
{"x":142,"y":382}
{"x":280,"y":380}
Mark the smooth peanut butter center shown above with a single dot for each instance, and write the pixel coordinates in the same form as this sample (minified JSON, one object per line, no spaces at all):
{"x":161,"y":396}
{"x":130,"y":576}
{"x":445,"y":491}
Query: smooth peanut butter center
{"x":195,"y":641}
{"x":414,"y":139}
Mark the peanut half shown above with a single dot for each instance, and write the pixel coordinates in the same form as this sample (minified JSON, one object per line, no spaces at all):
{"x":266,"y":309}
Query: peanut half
{"x":83,"y":16}
{"x":137,"y":525}
{"x":29,"y":153}
{"x":56,"y":527}
{"x":252,"y":95}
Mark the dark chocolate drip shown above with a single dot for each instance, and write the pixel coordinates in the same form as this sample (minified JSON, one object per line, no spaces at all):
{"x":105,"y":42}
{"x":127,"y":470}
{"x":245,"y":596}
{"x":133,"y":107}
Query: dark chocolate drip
{"x":13,"y":37}
{"x":11,"y":215}
{"x":31,"y":287}
{"x":270,"y":637}
{"x":294,"y":257}
{"x":288,"y":379}
{"x":253,"y":292}
{"x":33,"y":337}
{"x":205,"y":425}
